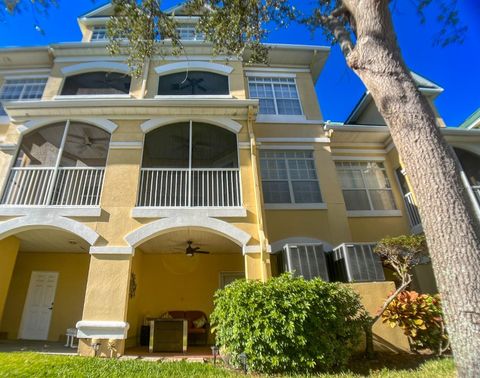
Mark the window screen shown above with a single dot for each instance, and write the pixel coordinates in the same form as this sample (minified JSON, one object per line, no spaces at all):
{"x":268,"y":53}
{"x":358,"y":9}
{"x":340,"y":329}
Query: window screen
{"x":193,"y":83}
{"x":289,"y":177}
{"x":276,"y":95}
{"x":97,"y":83}
{"x":365,"y":186}
{"x":21,"y":89}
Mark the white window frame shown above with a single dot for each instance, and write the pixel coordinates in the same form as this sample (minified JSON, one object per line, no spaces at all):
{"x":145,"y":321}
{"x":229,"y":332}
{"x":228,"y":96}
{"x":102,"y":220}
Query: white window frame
{"x":292,"y":204}
{"x":13,"y":78}
{"x":252,"y":76}
{"x":188,"y":27}
{"x":367,"y":189}
{"x":99,"y":29}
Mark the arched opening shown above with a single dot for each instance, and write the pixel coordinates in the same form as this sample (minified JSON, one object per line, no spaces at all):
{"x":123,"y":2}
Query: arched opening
{"x":172,"y":278}
{"x":471,"y":166}
{"x":193,"y":83}
{"x":190,"y":164}
{"x":97,"y":83}
{"x":61,"y":164}
{"x":47,"y":270}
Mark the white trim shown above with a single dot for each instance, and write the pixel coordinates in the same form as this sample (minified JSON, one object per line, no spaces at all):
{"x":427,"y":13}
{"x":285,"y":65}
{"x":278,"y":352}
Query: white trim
{"x":294,"y":140}
{"x":248,"y":249}
{"x":22,"y":77}
{"x":8,"y":147}
{"x":162,"y":226}
{"x":102,"y":329}
{"x":253,"y":71}
{"x":112,"y":250}
{"x":358,"y":158}
{"x":90,"y":97}
{"x":95,"y":66}
{"x":276,"y":118}
{"x":97,"y":10}
{"x":222,"y":58}
{"x":193,"y":66}
{"x":224,"y":122}
{"x":270,"y":73}
{"x":74,"y":59}
{"x":286,"y":147}
{"x":244,"y":145}
{"x":357,"y":151}
{"x":126,"y":145}
{"x":190,"y":97}
{"x":47,"y":220}
{"x":279,"y":244}
{"x":27,"y":71}
{"x":60,"y":211}
{"x":295,"y":206}
{"x":373,"y":213}
{"x":226,"y":212}
{"x":102,"y":123}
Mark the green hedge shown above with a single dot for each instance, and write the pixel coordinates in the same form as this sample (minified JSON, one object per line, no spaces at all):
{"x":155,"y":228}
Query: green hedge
{"x":287,"y":324}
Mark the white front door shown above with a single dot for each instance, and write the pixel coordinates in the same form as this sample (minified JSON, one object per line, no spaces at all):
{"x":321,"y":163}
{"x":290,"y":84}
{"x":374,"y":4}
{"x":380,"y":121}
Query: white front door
{"x":37,"y":311}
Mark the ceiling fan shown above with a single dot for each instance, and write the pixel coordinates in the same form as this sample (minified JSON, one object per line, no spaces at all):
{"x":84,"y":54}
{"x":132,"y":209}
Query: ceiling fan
{"x":190,"y":251}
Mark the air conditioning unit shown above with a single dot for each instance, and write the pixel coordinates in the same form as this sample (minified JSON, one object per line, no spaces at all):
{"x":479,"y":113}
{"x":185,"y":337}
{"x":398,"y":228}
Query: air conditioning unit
{"x":307,"y":260}
{"x":356,"y":263}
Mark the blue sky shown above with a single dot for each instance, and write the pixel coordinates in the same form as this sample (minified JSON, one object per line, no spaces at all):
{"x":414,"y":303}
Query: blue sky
{"x":456,"y":68}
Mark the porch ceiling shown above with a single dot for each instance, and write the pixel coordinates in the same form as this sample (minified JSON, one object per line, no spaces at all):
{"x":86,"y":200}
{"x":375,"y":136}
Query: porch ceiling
{"x":176,"y":242}
{"x":48,"y":240}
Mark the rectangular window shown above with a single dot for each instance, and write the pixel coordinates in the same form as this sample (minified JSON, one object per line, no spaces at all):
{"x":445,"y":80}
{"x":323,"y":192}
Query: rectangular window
{"x":289,"y":177}
{"x":21,"y":89}
{"x":276,"y":95}
{"x":365,"y":186}
{"x":189,"y":33}
{"x":99,"y":33}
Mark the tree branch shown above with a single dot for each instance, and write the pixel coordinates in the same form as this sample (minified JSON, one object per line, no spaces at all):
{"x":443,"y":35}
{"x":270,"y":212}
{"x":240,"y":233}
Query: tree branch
{"x":391,"y":298}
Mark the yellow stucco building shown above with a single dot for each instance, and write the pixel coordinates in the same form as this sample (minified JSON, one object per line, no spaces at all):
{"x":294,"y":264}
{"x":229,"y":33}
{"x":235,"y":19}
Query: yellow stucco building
{"x":114,"y":186}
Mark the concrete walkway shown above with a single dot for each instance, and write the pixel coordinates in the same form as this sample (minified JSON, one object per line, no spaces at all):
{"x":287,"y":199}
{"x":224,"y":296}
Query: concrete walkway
{"x":47,"y":347}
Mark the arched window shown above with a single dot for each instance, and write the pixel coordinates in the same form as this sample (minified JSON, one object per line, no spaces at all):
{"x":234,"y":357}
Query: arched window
{"x":97,"y":83}
{"x":193,"y":83}
{"x":190,"y":164}
{"x":59,"y":164}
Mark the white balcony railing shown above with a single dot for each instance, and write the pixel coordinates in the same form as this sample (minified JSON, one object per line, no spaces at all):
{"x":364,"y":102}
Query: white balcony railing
{"x":38,"y":186}
{"x":412,"y":210}
{"x":182,"y":187}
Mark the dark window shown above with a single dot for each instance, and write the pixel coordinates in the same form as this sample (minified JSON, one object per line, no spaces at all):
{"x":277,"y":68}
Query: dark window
{"x":193,"y":83}
{"x":94,"y":83}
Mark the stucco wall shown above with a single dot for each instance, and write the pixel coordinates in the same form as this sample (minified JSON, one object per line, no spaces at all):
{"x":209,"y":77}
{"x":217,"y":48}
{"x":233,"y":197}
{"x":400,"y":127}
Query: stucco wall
{"x":69,"y":295}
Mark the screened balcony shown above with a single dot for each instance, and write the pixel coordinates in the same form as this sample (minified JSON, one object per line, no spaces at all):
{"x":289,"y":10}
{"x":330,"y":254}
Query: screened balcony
{"x":190,"y":164}
{"x":62,"y":164}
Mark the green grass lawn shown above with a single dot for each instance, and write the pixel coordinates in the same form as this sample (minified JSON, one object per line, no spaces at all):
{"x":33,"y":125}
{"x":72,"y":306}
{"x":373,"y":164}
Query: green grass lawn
{"x":19,"y":364}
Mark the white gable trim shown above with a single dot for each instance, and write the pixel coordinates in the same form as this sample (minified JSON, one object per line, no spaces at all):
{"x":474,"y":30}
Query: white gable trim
{"x":162,"y":226}
{"x":104,"y":124}
{"x":224,"y":122}
{"x":193,"y":65}
{"x":95,"y":66}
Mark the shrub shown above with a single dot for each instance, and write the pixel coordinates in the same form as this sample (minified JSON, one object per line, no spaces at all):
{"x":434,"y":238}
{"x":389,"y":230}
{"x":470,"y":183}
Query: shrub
{"x":287,"y":324}
{"x":421,"y":318}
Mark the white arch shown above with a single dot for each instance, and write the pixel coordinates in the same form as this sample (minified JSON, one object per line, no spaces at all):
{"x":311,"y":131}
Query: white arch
{"x":31,"y":222}
{"x":224,"y":122}
{"x":193,"y":65}
{"x":165,"y":225}
{"x":95,"y":66}
{"x":102,"y":123}
{"x":278,"y":245}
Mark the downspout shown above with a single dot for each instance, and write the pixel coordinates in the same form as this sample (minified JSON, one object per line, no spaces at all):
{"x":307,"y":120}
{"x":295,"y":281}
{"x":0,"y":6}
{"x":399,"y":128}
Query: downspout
{"x":265,"y":274}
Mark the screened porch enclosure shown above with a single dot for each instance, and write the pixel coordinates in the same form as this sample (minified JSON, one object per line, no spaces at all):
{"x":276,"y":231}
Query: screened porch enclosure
{"x":62,"y":164}
{"x":190,"y":164}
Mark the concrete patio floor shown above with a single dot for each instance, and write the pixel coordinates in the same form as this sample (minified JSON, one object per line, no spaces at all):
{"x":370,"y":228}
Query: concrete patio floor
{"x":47,"y":347}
